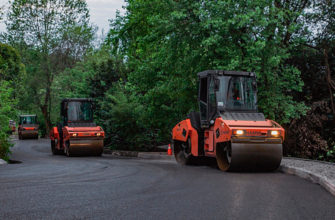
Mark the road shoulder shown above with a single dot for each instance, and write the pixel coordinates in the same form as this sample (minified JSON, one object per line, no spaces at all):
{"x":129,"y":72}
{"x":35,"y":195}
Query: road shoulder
{"x":2,"y":162}
{"x":319,"y":172}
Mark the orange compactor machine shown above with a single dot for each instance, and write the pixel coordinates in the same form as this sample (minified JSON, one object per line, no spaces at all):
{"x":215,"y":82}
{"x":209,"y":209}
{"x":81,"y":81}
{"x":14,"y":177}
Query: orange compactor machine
{"x":229,"y":126}
{"x":77,"y":134}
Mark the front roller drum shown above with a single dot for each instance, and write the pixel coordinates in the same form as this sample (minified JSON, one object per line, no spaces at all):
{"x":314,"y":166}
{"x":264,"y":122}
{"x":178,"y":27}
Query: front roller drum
{"x":85,"y":147}
{"x":249,"y":156}
{"x":28,"y":135}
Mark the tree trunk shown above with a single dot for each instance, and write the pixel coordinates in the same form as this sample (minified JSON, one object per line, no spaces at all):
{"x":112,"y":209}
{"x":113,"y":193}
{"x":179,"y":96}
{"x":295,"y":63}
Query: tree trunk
{"x":329,"y":79}
{"x":45,"y":105}
{"x":45,"y":113}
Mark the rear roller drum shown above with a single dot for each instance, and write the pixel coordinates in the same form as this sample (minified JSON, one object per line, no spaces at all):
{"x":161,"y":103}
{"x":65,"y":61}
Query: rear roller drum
{"x":54,"y":150}
{"x":182,"y":152}
{"x":67,"y":149}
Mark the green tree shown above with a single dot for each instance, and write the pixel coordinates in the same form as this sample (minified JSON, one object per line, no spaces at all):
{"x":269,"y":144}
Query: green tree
{"x":321,"y":23}
{"x":51,"y":35}
{"x":164,"y":50}
{"x":11,"y":73}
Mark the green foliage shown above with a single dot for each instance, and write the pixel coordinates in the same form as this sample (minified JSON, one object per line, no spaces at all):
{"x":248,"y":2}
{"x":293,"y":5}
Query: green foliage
{"x":164,"y":50}
{"x":120,"y":115}
{"x":11,"y":72}
{"x":7,"y":112}
{"x":51,"y":36}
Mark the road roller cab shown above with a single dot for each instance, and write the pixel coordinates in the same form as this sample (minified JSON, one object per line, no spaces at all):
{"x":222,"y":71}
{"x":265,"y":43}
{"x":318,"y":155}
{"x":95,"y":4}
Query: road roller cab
{"x":77,"y":134}
{"x":28,"y":127}
{"x":229,"y":126}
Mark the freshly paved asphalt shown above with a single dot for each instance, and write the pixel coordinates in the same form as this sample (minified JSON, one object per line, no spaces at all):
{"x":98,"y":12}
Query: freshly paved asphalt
{"x":56,"y":187}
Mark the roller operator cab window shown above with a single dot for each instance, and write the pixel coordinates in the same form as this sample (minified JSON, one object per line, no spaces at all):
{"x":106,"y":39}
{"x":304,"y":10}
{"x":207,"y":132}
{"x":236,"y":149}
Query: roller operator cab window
{"x":79,"y":111}
{"x":28,"y":120}
{"x":237,"y":93}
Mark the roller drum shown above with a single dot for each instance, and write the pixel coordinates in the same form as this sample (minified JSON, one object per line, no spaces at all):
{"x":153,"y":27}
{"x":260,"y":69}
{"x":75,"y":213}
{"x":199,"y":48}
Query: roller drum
{"x":81,"y":147}
{"x":252,"y":157}
{"x":29,"y":134}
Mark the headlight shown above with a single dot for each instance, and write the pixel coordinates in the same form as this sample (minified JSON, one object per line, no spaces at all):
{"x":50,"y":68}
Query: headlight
{"x":239,"y":132}
{"x":98,"y":134}
{"x":274,"y":133}
{"x":74,"y":134}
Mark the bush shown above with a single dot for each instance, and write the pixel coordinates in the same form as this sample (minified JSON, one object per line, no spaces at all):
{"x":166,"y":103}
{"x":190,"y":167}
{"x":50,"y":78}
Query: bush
{"x":312,"y":136}
{"x":121,"y":116}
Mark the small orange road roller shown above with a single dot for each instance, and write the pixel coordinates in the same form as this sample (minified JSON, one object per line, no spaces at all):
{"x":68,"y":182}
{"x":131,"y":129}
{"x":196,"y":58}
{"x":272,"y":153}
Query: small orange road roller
{"x":77,"y":134}
{"x":229,"y":126}
{"x":28,"y":127}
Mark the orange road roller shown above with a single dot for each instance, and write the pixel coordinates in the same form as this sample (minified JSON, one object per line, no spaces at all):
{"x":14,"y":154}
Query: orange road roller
{"x":77,"y":134}
{"x":28,"y":127}
{"x":229,"y":126}
{"x":12,"y":126}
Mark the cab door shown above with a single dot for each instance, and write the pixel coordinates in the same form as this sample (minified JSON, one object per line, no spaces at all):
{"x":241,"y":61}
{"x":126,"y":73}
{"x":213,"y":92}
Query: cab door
{"x":203,"y":97}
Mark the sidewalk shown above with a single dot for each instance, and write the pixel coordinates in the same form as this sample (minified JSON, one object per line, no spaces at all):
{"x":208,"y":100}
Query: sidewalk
{"x":319,"y":172}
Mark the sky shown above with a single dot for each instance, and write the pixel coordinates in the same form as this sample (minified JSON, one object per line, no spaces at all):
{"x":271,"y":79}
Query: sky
{"x":101,"y":11}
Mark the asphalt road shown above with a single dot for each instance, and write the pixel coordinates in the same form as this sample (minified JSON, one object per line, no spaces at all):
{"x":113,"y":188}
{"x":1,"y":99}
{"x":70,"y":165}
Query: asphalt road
{"x":56,"y":187}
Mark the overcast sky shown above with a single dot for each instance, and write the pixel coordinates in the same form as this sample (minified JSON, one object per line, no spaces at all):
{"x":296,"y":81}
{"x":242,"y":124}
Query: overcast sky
{"x":101,"y":11}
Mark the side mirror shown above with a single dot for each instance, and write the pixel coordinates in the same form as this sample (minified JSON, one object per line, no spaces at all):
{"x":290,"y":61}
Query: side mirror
{"x":216,"y":84}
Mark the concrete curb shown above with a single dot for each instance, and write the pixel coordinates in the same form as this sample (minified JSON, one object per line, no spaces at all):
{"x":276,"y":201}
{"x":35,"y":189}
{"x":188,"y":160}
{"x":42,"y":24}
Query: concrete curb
{"x":120,"y":153}
{"x":2,"y":162}
{"x":311,"y":176}
{"x":143,"y":155}
{"x":155,"y":155}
